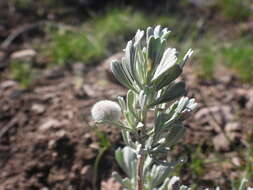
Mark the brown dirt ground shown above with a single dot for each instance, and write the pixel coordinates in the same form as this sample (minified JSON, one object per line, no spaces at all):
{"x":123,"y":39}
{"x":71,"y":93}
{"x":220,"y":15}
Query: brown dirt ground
{"x":49,"y":142}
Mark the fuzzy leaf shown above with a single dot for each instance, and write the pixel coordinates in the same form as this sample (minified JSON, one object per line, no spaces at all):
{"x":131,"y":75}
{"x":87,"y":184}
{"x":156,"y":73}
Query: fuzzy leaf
{"x":121,"y":76}
{"x":174,"y":91}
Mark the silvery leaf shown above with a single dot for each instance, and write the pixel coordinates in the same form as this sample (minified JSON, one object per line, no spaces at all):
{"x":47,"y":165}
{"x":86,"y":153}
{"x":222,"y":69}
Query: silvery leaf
{"x":243,"y":184}
{"x":120,"y":160}
{"x":169,"y":58}
{"x":129,"y":156}
{"x":165,"y":34}
{"x":186,"y":57}
{"x":157,"y":31}
{"x":138,"y":37}
{"x":160,"y":174}
{"x":131,"y":103}
{"x":164,"y":186}
{"x":130,"y":61}
{"x":167,"y":77}
{"x":149,"y":32}
{"x":176,"y":133}
{"x":174,"y":91}
{"x":121,"y":103}
{"x":127,"y":139}
{"x":121,"y":76}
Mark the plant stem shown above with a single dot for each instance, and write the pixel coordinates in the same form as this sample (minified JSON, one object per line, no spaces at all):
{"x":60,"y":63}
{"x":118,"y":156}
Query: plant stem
{"x":140,"y":164}
{"x":141,"y":159}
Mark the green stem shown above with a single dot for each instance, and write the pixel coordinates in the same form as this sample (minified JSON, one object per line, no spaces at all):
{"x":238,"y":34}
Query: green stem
{"x":98,"y":158}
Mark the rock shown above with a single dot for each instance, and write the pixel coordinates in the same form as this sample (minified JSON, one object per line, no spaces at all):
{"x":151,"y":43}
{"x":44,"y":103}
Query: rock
{"x":16,"y":94}
{"x":38,"y":108}
{"x":51,"y":144}
{"x":8,"y":84}
{"x":221,"y":143}
{"x":236,"y":161}
{"x":94,"y":146}
{"x":87,"y":172}
{"x":233,"y":130}
{"x":89,"y":91}
{"x":61,"y":133}
{"x":23,"y":54}
{"x":221,"y":115}
{"x":54,"y":73}
{"x":50,"y":123}
{"x":232,"y":127}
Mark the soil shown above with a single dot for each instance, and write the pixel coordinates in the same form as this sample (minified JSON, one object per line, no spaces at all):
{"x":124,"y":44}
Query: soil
{"x":48,"y":140}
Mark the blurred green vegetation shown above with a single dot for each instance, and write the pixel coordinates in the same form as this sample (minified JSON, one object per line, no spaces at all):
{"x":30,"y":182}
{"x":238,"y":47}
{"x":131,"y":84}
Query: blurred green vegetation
{"x":239,"y":56}
{"x":23,"y":72}
{"x":95,"y":39}
{"x":235,"y":10}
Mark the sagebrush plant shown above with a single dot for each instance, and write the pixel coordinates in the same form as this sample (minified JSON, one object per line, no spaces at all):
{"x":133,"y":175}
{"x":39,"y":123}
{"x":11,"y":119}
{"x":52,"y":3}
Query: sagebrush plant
{"x":149,"y":70}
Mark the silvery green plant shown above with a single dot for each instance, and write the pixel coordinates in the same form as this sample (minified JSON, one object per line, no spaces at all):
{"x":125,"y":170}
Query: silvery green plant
{"x":149,"y":70}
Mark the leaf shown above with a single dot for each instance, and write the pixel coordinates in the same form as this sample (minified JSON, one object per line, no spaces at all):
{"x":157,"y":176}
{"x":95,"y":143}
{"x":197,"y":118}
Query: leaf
{"x":176,"y":133}
{"x":164,"y":186}
{"x":131,"y":60}
{"x":149,"y":33}
{"x":154,"y":48}
{"x":131,"y":103}
{"x":122,"y":103}
{"x":127,"y":138}
{"x":157,"y":31}
{"x":169,"y":58}
{"x":129,"y":156}
{"x":120,"y":160}
{"x":167,"y":77}
{"x":174,"y":91}
{"x":121,"y":76}
{"x":186,"y":57}
{"x":160,"y":174}
{"x":243,"y":184}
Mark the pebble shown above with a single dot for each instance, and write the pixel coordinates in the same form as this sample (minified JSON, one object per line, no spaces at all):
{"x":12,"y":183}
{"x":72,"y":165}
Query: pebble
{"x":22,"y":54}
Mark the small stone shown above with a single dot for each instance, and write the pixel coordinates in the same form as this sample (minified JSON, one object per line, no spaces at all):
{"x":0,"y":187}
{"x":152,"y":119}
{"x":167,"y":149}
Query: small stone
{"x":87,"y":172}
{"x":44,"y":188}
{"x":221,"y":114}
{"x":233,"y":126}
{"x":89,"y":91}
{"x":221,"y":143}
{"x":8,"y":84}
{"x":50,"y":123}
{"x":61,"y":133}
{"x":54,"y":73}
{"x":23,"y":54}
{"x":84,"y":170}
{"x":94,"y":146}
{"x":51,"y":144}
{"x":38,"y":108}
{"x":236,"y":161}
